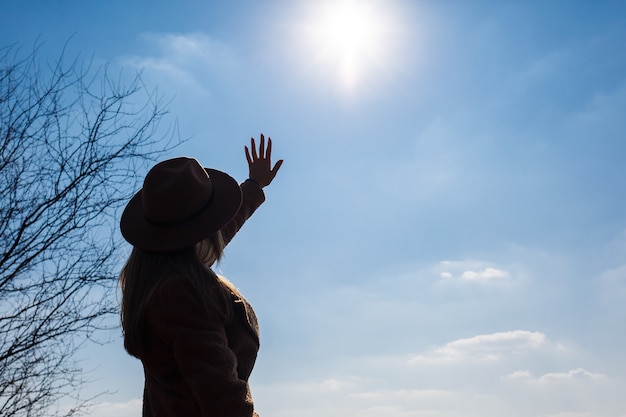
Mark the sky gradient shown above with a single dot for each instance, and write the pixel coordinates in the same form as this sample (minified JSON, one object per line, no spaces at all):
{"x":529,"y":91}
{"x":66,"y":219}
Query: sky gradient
{"x":447,"y":235}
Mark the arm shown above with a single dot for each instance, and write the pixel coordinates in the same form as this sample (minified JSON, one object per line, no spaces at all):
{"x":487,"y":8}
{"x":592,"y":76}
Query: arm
{"x":261,"y":174}
{"x":253,"y":197}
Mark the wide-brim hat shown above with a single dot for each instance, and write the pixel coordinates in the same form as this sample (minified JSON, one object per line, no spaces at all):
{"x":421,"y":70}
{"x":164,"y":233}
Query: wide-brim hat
{"x":180,"y":204}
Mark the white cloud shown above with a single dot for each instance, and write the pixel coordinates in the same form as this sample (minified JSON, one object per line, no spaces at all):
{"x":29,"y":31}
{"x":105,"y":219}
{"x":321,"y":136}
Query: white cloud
{"x":578,"y":373}
{"x":555,"y":377}
{"x":471,"y":271}
{"x":484,"y":275}
{"x":475,"y":386}
{"x":487,"y":347}
{"x":519,"y":375}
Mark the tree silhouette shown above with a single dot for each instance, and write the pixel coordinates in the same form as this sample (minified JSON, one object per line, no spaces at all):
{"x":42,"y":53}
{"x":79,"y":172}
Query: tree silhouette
{"x":71,"y":140}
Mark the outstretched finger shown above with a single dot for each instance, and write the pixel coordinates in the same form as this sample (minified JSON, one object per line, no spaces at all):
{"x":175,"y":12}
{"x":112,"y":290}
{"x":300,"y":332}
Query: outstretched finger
{"x":268,"y":151}
{"x":277,"y":167}
{"x":248,"y":158}
{"x":253,"y":146}
{"x":262,"y":147}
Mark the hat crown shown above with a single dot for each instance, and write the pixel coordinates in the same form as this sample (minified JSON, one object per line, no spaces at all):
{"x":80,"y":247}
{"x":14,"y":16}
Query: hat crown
{"x":175,"y":190}
{"x":180,"y":204}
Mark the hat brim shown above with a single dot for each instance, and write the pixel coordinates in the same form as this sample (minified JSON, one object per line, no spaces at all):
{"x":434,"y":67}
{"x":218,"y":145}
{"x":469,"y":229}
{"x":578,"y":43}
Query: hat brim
{"x":143,"y":234}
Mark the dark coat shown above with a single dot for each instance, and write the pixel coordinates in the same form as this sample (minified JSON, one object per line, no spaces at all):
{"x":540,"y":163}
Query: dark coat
{"x":198,"y":357}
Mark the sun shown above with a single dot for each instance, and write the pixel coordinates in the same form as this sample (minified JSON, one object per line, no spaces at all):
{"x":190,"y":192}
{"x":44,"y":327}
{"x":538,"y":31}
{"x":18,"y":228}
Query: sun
{"x":349,"y":40}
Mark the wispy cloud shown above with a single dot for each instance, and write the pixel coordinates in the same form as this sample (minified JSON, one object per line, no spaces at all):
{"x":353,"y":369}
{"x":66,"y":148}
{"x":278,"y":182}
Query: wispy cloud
{"x":577,"y":392}
{"x":351,"y":396}
{"x":189,"y":60}
{"x":487,"y":347}
{"x":479,"y":383}
{"x":555,"y":377}
{"x":128,"y":408}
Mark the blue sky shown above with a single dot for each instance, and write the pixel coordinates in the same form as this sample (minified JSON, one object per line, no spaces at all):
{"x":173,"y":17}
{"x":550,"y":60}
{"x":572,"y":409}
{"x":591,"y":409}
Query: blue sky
{"x":447,"y":236}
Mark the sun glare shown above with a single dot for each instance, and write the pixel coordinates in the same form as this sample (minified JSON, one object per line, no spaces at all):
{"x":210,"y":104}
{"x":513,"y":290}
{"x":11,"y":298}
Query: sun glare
{"x":349,"y":40}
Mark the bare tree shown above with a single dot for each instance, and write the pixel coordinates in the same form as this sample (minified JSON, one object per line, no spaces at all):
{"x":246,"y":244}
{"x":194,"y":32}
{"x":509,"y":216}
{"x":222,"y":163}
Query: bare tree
{"x":71,"y":139}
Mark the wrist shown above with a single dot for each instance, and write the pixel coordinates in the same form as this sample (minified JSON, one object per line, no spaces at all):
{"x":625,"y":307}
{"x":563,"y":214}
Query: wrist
{"x":255,"y":182}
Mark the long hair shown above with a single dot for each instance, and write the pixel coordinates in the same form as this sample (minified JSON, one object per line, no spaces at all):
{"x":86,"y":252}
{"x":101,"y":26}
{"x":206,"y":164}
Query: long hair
{"x":144,"y":270}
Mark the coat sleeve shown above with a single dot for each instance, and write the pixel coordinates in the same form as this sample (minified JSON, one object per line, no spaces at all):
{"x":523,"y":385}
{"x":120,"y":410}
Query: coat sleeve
{"x":195,"y":333}
{"x":253,"y":197}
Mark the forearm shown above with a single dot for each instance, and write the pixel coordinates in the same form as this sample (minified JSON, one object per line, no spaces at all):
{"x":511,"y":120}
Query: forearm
{"x":253,"y":197}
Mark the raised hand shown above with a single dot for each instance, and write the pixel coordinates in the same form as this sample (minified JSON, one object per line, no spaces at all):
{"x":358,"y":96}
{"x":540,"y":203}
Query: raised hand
{"x":259,"y":163}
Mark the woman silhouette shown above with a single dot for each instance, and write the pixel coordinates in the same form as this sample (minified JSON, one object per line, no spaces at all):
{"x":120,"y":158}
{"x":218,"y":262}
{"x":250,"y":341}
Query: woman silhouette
{"x":195,"y":334}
